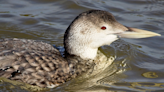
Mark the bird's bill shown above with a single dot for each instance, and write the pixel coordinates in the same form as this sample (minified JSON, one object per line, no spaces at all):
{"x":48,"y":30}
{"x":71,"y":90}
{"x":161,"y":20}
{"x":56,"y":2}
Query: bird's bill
{"x":137,"y":33}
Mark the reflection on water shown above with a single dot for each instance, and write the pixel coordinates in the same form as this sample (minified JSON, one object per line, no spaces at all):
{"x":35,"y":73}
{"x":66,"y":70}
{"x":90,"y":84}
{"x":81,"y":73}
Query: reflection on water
{"x":139,"y":62}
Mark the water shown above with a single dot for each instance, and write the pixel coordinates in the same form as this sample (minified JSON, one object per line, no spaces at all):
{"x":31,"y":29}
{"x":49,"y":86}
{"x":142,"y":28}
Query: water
{"x":139,"y":62}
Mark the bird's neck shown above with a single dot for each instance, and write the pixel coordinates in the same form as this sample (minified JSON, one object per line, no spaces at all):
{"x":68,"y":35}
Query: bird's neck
{"x":87,"y":53}
{"x":78,"y":65}
{"x":84,"y":52}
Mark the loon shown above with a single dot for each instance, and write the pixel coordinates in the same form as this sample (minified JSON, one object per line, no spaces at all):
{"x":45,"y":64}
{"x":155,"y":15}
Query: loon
{"x":40,"y":64}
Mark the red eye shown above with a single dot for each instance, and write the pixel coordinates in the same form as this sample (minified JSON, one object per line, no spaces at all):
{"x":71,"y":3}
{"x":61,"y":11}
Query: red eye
{"x":103,"y":28}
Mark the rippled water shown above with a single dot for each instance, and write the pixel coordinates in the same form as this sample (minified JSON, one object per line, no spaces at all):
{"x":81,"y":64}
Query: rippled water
{"x":139,"y":62}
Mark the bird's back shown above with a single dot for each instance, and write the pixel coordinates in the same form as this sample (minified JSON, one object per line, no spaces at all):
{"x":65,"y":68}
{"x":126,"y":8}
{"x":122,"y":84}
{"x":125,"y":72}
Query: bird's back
{"x":32,"y":62}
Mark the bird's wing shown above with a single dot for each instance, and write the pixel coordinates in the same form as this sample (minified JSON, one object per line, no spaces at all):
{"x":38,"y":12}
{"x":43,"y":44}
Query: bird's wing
{"x":32,"y":62}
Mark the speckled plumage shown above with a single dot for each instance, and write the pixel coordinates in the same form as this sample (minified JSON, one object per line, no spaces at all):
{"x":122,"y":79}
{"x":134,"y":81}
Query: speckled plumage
{"x":26,"y":61}
{"x":32,"y":62}
{"x":23,"y":62}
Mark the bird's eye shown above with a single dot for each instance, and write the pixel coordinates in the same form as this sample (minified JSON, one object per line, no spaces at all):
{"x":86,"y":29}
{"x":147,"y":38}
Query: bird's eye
{"x":103,"y":27}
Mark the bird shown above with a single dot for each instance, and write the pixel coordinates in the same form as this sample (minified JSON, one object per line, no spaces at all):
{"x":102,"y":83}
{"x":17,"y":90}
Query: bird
{"x":40,"y":64}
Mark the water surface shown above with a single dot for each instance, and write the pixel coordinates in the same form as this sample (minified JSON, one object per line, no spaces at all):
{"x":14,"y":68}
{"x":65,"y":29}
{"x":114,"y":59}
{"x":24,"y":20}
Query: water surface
{"x":139,"y":63}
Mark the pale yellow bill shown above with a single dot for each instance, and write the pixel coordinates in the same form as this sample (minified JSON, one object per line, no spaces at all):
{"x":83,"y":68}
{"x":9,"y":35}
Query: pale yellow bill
{"x":137,"y":33}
